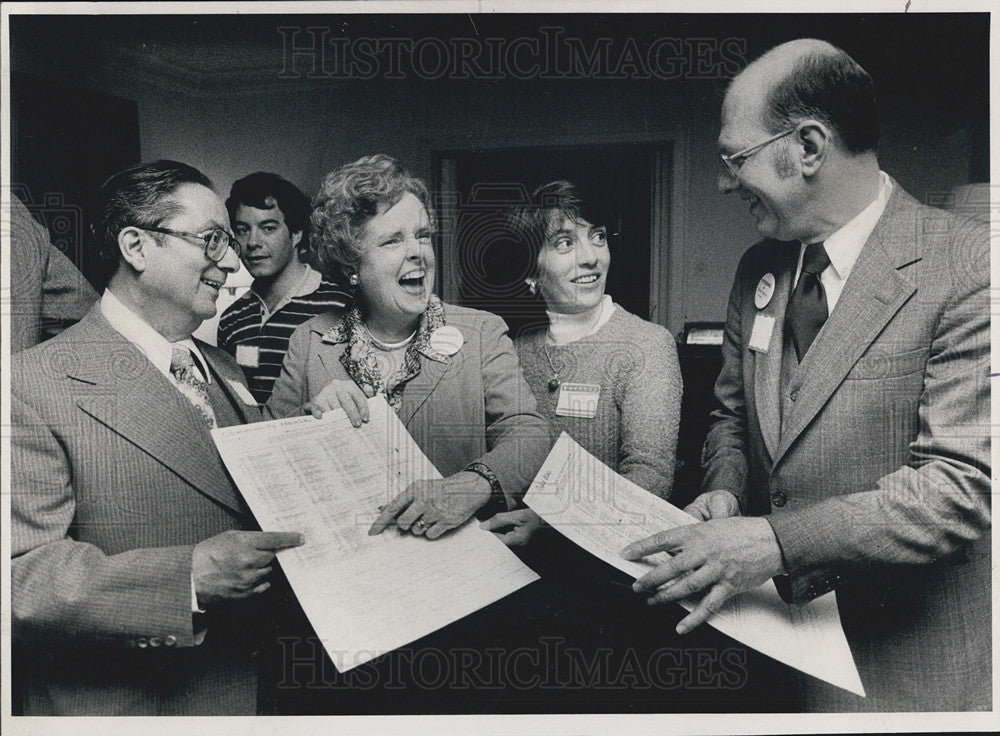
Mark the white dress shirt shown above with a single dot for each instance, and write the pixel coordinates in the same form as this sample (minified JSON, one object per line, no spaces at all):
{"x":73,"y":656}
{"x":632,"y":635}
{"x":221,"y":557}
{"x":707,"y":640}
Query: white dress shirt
{"x":844,"y":246}
{"x":147,"y":340}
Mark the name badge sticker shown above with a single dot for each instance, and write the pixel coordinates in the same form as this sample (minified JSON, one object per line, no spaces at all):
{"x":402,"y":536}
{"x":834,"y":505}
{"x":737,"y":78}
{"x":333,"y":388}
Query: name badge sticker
{"x":760,"y":336}
{"x":248,"y":356}
{"x":243,"y":392}
{"x":578,"y":400}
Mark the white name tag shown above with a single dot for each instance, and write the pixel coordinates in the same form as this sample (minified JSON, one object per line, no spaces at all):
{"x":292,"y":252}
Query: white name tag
{"x":248,"y":356}
{"x":243,"y":392}
{"x":760,"y":336}
{"x":578,"y":400}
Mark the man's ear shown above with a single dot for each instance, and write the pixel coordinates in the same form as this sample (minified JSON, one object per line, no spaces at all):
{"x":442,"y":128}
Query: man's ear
{"x":815,"y":140}
{"x":131,"y":244}
{"x":296,"y":238}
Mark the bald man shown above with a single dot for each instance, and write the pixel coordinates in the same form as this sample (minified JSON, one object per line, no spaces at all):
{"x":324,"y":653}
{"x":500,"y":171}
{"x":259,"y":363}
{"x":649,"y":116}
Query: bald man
{"x":850,"y":447}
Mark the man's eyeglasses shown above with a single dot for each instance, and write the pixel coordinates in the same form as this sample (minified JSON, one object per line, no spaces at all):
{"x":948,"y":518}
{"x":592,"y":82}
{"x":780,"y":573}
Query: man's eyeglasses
{"x":216,"y":241}
{"x":734,"y":162}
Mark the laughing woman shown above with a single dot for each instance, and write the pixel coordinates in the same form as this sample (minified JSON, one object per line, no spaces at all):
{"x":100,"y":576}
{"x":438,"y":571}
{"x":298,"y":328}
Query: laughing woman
{"x":602,"y":375}
{"x":450,"y":373}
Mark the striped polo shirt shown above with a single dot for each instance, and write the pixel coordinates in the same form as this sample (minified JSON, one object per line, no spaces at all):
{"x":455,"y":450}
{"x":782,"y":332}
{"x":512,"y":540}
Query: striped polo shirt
{"x":258,"y":339}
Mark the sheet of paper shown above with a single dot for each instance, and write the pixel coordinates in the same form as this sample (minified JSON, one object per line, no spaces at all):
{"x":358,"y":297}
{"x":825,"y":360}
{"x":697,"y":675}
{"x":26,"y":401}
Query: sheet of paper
{"x":364,"y":596}
{"x":602,"y":512}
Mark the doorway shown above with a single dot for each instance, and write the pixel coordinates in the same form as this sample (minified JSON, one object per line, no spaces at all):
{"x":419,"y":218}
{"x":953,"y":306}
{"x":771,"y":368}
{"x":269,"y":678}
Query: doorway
{"x":477,"y":267}
{"x":65,"y":141}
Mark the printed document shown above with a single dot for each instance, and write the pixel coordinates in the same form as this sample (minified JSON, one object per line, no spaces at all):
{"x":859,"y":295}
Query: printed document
{"x":364,"y":596}
{"x":602,"y":512}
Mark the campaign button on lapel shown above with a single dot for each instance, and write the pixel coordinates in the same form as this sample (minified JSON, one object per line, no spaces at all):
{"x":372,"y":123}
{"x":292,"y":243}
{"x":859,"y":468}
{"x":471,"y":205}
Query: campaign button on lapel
{"x":765,"y":290}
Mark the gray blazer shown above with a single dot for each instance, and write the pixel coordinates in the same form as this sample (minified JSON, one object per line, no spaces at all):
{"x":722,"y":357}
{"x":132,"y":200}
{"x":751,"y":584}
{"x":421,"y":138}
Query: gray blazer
{"x":114,"y":479}
{"x":872,"y":462}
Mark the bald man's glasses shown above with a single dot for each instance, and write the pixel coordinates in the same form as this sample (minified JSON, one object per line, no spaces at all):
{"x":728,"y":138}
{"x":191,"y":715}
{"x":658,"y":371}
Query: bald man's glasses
{"x":215,"y":241}
{"x":734,"y":162}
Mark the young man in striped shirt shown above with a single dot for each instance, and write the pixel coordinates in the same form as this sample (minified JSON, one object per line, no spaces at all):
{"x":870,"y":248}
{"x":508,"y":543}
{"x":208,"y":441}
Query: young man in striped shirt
{"x":270,"y":218}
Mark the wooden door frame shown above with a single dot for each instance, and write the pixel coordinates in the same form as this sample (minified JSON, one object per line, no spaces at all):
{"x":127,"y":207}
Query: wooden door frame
{"x":669,"y":168}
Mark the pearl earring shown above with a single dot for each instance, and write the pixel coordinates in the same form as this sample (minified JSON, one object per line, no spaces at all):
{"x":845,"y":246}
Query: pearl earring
{"x":532,"y":286}
{"x":353,"y":279}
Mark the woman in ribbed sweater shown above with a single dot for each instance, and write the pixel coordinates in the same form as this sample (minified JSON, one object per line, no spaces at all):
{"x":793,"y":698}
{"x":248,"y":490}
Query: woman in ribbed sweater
{"x":604,"y":376}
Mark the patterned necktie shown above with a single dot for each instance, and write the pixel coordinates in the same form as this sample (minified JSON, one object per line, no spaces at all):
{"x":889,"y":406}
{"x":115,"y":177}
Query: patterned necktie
{"x":807,"y":307}
{"x":190,"y":384}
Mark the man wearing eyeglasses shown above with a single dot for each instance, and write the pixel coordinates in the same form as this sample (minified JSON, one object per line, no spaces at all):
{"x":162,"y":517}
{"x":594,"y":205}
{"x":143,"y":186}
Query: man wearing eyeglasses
{"x":852,"y":428}
{"x":136,"y":569}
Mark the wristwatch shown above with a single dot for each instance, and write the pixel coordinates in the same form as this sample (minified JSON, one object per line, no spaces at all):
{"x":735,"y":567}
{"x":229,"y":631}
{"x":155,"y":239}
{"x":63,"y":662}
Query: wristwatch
{"x":498,"y":501}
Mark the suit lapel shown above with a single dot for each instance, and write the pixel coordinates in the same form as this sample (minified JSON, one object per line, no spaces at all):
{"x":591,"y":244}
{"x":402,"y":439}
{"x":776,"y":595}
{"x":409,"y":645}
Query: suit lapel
{"x":422,"y":385}
{"x":137,"y":402}
{"x":247,"y":414}
{"x":873,"y":293}
{"x":767,"y":366}
{"x":418,"y":389}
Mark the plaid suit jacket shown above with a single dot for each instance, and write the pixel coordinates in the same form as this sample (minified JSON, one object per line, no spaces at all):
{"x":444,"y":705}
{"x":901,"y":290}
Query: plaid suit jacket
{"x":872,"y":459}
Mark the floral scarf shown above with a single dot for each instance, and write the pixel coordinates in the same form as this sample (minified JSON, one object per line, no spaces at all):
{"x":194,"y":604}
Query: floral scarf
{"x":359,"y":358}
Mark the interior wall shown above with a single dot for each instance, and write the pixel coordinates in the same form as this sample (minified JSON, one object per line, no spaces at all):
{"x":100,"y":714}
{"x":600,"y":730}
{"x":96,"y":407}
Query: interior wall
{"x":303,"y":129}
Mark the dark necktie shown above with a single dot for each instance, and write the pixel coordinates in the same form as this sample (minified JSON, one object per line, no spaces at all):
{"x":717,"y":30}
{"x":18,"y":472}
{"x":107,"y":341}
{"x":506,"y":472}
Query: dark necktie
{"x":807,"y":308}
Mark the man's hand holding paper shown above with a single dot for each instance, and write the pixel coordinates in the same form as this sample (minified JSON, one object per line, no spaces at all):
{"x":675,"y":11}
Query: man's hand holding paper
{"x":327,"y":479}
{"x":721,"y":557}
{"x":732,"y":556}
{"x":236,"y":564}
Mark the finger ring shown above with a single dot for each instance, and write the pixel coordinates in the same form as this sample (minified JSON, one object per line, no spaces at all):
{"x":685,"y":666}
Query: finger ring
{"x":420,"y":526}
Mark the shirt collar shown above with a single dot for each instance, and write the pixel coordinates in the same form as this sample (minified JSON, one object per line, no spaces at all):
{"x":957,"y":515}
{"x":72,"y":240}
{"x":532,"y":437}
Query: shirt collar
{"x":844,"y":246}
{"x":144,"y":336}
{"x":310,"y":281}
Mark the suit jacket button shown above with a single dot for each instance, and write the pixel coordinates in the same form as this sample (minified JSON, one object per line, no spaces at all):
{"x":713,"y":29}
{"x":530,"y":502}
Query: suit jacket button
{"x":779,"y":499}
{"x":794,"y":394}
{"x":142,"y":642}
{"x":169,"y":640}
{"x":155,"y":641}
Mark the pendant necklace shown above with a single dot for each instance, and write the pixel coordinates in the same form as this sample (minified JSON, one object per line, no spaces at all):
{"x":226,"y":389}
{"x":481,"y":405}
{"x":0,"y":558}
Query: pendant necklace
{"x":554,"y":382}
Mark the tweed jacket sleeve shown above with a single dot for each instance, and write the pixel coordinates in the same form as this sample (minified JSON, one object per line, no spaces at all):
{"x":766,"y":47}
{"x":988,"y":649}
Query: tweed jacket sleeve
{"x":517,"y":438}
{"x":291,"y":390}
{"x":724,"y":455}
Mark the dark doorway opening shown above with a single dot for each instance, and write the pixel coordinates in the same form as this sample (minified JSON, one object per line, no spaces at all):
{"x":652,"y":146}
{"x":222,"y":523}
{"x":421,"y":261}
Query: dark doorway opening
{"x":65,"y":141}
